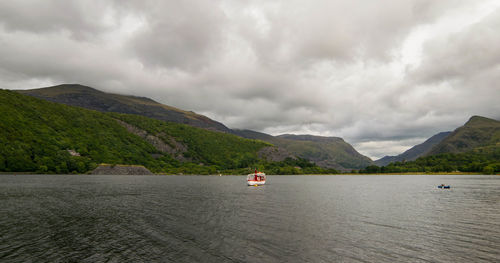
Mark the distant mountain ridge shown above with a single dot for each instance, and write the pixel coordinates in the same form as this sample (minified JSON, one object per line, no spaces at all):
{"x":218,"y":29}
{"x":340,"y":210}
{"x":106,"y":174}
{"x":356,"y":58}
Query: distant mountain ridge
{"x":476,"y":133}
{"x":328,"y":152}
{"x":90,"y":98}
{"x":414,"y":152}
{"x":471,"y":148}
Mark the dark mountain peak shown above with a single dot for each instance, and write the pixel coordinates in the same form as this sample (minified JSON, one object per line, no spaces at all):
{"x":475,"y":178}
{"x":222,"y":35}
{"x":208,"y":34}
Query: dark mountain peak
{"x":74,"y":86}
{"x":311,"y":138}
{"x":479,"y":120}
{"x":90,"y":98}
{"x":61,"y":89}
{"x":78,"y":89}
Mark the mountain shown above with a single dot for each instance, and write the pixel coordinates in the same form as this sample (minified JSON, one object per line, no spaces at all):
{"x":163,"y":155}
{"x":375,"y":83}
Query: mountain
{"x":414,"y":152}
{"x":472,"y":148}
{"x":87,"y":97}
{"x":46,"y":137}
{"x":328,"y":152}
{"x":334,"y":154}
{"x":475,"y":133}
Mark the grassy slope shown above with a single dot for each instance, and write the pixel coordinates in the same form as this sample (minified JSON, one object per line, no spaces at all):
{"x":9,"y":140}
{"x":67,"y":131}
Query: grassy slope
{"x":325,"y":151}
{"x":477,"y":132}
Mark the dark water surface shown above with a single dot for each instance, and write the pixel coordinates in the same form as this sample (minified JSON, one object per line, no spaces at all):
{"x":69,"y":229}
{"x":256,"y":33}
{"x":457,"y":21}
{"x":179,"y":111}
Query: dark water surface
{"x":81,"y":218}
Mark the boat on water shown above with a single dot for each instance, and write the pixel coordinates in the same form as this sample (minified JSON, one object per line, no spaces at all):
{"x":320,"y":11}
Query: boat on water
{"x":442,"y":186}
{"x":256,"y":179}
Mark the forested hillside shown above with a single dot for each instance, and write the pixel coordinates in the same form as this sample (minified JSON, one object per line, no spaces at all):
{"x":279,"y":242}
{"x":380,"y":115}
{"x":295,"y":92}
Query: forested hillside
{"x":36,"y":135}
{"x":482,"y":160}
{"x":46,"y":137}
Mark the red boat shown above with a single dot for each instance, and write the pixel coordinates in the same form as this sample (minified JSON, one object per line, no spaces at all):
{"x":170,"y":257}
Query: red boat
{"x":256,"y":178}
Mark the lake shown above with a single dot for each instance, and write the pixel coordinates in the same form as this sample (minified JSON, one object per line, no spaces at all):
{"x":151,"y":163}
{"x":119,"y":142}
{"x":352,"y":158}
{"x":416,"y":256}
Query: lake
{"x":365,"y":218}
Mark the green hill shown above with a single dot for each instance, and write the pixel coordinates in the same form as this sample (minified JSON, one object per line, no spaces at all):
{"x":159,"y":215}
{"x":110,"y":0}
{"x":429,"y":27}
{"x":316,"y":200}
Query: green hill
{"x":328,"y":152}
{"x":45,"y":137}
{"x":474,"y":147}
{"x":477,"y":132}
{"x":35,"y":136}
{"x":89,"y":98}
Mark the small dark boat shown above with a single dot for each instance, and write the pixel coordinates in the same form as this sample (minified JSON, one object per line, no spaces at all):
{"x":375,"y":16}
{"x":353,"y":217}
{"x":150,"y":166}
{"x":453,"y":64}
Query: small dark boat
{"x":444,"y":186}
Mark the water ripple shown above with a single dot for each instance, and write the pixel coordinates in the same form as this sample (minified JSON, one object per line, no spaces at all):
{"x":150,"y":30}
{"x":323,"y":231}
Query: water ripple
{"x":218,"y":219}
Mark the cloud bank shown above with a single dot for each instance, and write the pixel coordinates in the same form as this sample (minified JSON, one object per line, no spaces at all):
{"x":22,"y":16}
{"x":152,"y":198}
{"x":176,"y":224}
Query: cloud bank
{"x":384,"y":75}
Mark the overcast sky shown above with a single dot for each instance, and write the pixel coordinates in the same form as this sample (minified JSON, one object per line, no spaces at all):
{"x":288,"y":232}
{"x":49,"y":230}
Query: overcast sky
{"x":384,"y":75}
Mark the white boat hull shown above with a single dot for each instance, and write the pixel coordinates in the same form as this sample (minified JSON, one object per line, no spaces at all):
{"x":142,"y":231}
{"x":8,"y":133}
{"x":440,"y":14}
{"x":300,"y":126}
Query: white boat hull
{"x":251,"y":183}
{"x":256,"y":178}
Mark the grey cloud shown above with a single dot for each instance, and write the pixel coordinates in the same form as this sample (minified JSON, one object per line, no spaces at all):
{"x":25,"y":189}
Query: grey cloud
{"x":463,"y":54}
{"x":80,"y":19}
{"x":180,"y":34}
{"x":59,"y":58}
{"x":461,"y":71}
{"x":307,"y":31}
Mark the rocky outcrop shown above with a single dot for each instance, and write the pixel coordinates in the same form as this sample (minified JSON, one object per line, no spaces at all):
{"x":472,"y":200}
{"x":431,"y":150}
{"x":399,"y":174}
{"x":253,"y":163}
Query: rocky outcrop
{"x":274,"y":154}
{"x":109,"y":169}
{"x":172,"y":147}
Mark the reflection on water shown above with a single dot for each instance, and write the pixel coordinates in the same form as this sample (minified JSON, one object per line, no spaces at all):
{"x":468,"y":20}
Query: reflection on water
{"x":47,"y":218}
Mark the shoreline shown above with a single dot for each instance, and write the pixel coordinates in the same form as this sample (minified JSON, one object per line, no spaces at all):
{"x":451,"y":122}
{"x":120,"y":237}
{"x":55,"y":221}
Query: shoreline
{"x":217,"y":175}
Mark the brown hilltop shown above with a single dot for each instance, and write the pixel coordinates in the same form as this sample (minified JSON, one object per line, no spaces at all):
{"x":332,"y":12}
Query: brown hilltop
{"x":90,"y":98}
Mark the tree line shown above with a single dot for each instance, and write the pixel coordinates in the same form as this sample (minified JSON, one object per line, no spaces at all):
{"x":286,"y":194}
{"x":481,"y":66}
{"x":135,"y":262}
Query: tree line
{"x":484,"y":160}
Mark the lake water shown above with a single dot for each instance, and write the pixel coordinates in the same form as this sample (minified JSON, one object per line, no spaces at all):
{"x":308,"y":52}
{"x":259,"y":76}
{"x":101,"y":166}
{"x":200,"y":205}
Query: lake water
{"x":83,"y":218}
